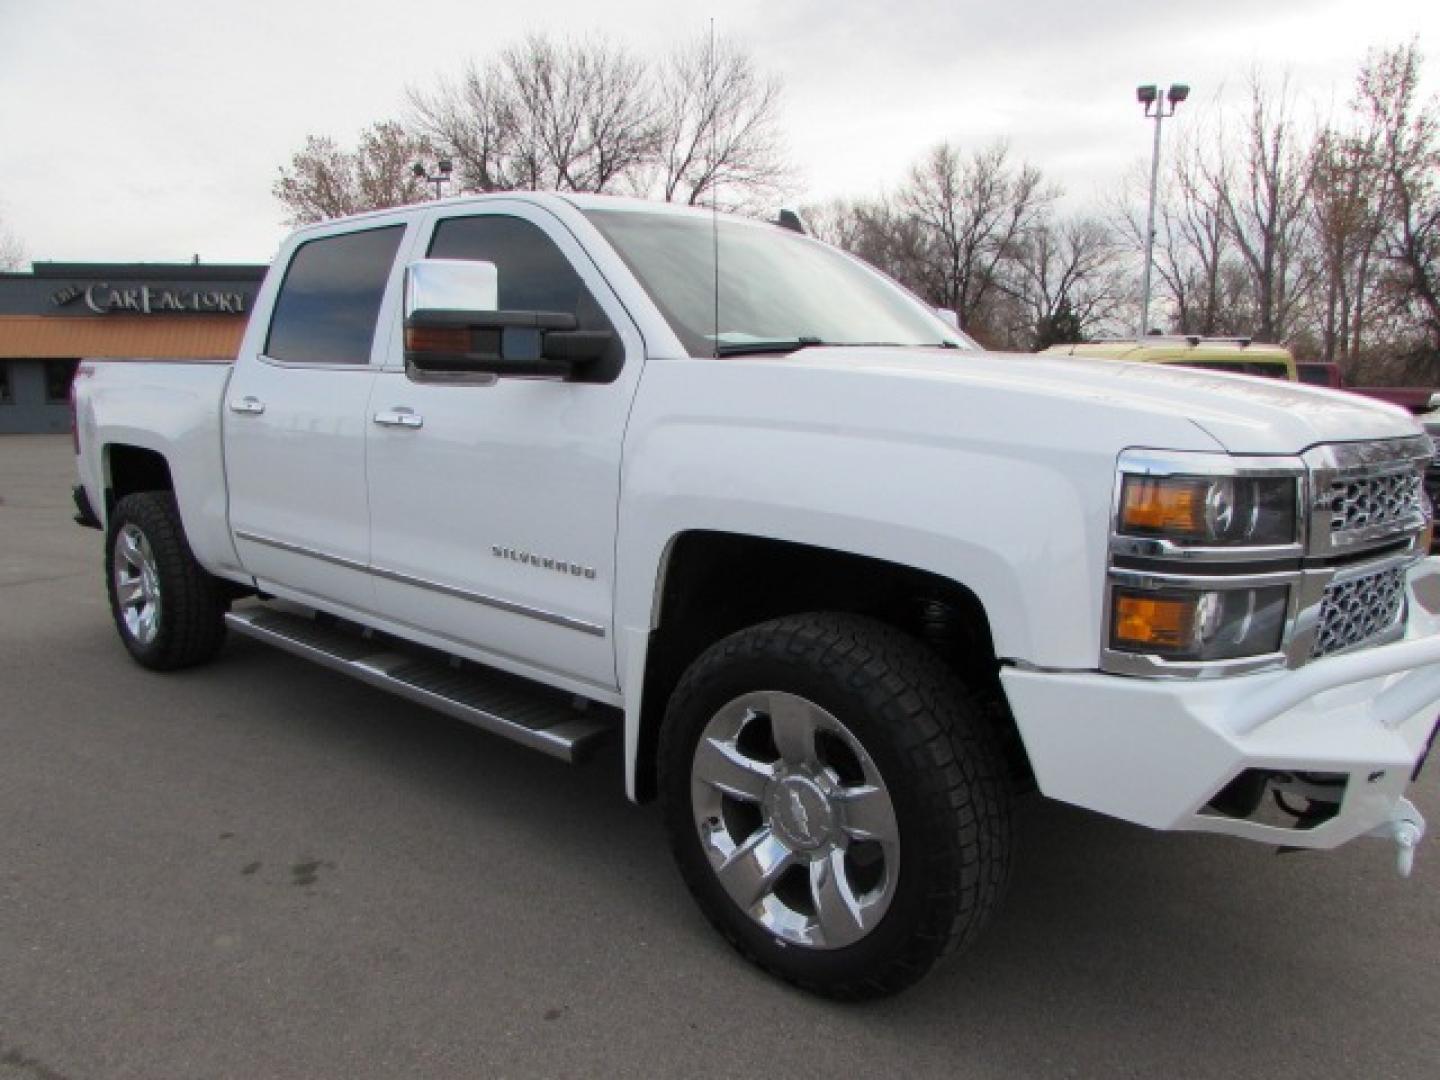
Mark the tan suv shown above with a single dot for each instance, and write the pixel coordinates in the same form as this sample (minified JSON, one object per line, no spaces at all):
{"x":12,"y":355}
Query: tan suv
{"x":1239,"y":355}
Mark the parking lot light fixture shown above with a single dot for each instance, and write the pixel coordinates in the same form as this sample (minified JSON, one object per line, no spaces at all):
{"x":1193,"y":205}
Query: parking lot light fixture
{"x":439,"y":177}
{"x":1155,"y":109}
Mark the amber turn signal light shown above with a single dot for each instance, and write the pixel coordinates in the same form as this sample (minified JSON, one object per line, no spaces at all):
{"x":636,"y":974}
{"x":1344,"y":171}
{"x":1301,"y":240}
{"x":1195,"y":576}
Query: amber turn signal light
{"x":1163,"y":505}
{"x":1143,"y":622}
{"x":437,"y":339}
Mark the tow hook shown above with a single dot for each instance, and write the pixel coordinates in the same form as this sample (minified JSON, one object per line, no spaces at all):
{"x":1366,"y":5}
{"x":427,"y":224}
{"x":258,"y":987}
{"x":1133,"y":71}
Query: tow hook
{"x":1406,"y":827}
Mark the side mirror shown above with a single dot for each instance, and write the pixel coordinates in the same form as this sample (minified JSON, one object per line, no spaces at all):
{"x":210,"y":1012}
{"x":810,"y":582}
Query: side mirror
{"x":452,"y":326}
{"x":948,"y":317}
{"x":451,"y":285}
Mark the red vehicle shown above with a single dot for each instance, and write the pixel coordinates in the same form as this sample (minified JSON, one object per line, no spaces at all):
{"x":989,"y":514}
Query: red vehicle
{"x":1319,"y":373}
{"x":1417,"y":399}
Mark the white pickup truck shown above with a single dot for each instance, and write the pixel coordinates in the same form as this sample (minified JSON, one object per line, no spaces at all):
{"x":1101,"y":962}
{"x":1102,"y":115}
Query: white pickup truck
{"x":843,"y":583}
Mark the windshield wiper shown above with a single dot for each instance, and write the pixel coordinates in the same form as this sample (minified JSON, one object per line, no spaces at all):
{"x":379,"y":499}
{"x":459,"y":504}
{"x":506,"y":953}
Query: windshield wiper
{"x":757,"y":347}
{"x":891,"y":345}
{"x":795,"y":344}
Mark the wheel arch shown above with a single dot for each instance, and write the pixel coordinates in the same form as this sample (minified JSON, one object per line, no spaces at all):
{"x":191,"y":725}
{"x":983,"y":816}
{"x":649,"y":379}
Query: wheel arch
{"x":697,"y":602}
{"x":129,"y":469}
{"x":130,"y":460}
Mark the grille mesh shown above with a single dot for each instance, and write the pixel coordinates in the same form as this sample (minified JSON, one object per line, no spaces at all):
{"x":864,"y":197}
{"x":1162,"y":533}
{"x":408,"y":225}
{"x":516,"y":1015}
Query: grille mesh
{"x":1367,"y":501}
{"x":1353,"y":612}
{"x":1432,"y":475}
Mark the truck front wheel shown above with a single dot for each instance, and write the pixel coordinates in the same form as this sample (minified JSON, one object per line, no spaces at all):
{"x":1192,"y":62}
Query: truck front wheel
{"x":835,"y":802}
{"x":170,"y":613}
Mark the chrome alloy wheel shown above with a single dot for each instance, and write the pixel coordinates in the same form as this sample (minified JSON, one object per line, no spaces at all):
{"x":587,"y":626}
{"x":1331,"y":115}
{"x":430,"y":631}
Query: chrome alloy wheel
{"x":137,"y":584}
{"x":795,"y":819}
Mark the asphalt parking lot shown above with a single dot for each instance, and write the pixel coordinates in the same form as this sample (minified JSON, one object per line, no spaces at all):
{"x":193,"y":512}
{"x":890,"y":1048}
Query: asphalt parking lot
{"x":261,"y":869}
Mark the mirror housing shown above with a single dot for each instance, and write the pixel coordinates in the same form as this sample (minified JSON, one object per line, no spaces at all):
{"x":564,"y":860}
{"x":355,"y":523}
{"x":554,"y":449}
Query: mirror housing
{"x":451,"y":285}
{"x":452,"y":327}
{"x":948,"y":317}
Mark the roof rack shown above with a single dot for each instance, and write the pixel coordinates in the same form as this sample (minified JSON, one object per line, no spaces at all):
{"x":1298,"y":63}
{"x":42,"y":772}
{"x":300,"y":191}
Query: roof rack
{"x":1172,"y":339}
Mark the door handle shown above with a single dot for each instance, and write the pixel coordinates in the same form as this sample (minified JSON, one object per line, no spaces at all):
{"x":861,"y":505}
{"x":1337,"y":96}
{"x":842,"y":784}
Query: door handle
{"x":252,"y":405}
{"x":399,"y":417}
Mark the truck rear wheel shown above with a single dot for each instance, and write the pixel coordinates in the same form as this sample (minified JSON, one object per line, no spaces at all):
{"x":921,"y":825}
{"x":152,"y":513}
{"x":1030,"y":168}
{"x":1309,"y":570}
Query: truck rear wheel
{"x":835,"y":802}
{"x":169,"y":611}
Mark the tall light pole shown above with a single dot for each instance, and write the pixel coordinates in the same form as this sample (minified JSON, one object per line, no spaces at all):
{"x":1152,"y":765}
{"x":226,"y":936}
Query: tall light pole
{"x":439,"y":177}
{"x":1155,"y":109}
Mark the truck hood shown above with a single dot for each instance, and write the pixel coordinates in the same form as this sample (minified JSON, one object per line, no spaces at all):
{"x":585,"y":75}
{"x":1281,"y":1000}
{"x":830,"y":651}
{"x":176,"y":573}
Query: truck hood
{"x":1243,"y":413}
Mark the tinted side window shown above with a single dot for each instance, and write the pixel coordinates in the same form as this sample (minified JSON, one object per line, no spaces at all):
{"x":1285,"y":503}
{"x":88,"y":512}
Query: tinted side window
{"x":330,"y":299}
{"x":535,"y":275}
{"x":59,"y":374}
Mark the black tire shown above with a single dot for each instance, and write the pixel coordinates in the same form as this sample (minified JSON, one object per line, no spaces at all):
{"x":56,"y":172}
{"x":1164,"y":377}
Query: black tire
{"x":188,"y":627}
{"x":936,"y":754}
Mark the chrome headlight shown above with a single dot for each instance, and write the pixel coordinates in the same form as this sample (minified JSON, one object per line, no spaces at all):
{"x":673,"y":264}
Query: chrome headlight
{"x":1205,"y":550}
{"x":1199,"y":624}
{"x":1210,"y":511}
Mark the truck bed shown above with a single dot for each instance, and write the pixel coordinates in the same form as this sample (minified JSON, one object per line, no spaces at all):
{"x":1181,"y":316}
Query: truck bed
{"x":172,"y":408}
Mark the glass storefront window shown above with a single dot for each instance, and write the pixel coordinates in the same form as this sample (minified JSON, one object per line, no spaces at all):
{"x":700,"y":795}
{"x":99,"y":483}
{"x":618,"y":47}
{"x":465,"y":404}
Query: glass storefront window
{"x":58,"y":376}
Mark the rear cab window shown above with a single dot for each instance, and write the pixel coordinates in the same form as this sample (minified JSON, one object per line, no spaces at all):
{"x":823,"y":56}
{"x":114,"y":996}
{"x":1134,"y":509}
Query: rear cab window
{"x":329,"y":301}
{"x":1263,"y":369}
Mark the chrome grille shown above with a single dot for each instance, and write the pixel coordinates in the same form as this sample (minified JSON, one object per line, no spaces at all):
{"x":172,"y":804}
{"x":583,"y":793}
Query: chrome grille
{"x":1354,"y":611}
{"x":1432,"y":475}
{"x":1364,"y":502}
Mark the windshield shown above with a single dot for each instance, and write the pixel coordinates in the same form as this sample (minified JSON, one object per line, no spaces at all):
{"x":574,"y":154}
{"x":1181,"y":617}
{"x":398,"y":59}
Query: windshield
{"x":779,"y":291}
{"x":1266,"y":368}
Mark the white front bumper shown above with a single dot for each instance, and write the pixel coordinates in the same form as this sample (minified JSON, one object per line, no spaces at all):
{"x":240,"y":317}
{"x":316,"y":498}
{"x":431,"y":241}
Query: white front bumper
{"x":1157,"y":751}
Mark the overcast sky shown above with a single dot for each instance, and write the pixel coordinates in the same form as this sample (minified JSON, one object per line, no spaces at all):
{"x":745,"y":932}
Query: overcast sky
{"x":152,"y":129}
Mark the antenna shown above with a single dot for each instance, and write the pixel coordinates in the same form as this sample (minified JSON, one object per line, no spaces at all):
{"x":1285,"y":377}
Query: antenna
{"x":714,"y":185}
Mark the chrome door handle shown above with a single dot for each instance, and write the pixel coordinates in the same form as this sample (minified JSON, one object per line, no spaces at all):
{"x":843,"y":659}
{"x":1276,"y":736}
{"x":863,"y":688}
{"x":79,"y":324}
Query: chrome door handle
{"x":400,"y":417}
{"x":252,"y":405}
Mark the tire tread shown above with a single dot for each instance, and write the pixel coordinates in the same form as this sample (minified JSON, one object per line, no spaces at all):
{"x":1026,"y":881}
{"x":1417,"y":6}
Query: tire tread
{"x":951,"y":757}
{"x":193,"y":602}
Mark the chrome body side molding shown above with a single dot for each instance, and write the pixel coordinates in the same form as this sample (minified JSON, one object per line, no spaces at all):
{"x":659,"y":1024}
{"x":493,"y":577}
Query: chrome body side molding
{"x":553,"y":617}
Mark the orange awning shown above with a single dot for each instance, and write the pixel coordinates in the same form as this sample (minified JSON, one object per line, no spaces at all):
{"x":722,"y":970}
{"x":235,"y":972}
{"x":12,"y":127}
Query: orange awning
{"x":50,"y":337}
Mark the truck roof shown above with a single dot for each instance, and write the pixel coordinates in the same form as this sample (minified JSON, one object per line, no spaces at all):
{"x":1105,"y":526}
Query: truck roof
{"x":577,"y":200}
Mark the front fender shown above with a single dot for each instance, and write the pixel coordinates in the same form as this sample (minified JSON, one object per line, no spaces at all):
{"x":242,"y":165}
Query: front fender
{"x":1005,"y":492}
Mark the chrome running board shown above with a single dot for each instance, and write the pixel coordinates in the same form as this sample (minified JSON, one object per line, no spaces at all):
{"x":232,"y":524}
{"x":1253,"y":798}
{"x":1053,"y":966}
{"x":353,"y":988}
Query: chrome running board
{"x":540,"y":717}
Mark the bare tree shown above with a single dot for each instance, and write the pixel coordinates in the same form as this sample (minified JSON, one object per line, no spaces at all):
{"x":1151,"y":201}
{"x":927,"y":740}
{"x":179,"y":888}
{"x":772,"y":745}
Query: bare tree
{"x":471,"y":118}
{"x":1408,"y":150}
{"x":1348,"y":211}
{"x":325,"y":181}
{"x":543,"y":115}
{"x":717,"y":125}
{"x":583,"y":115}
{"x":973,"y":212}
{"x":1264,"y":201}
{"x":12,"y":252}
{"x":1199,"y":247}
{"x":1066,"y":281}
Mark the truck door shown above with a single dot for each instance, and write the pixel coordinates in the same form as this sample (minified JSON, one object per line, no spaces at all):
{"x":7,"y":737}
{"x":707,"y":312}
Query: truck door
{"x":493,"y":501}
{"x":295,"y":421}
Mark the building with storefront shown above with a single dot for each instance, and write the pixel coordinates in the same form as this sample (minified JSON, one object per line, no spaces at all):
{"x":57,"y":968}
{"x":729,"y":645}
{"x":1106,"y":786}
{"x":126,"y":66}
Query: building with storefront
{"x":62,"y":313}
